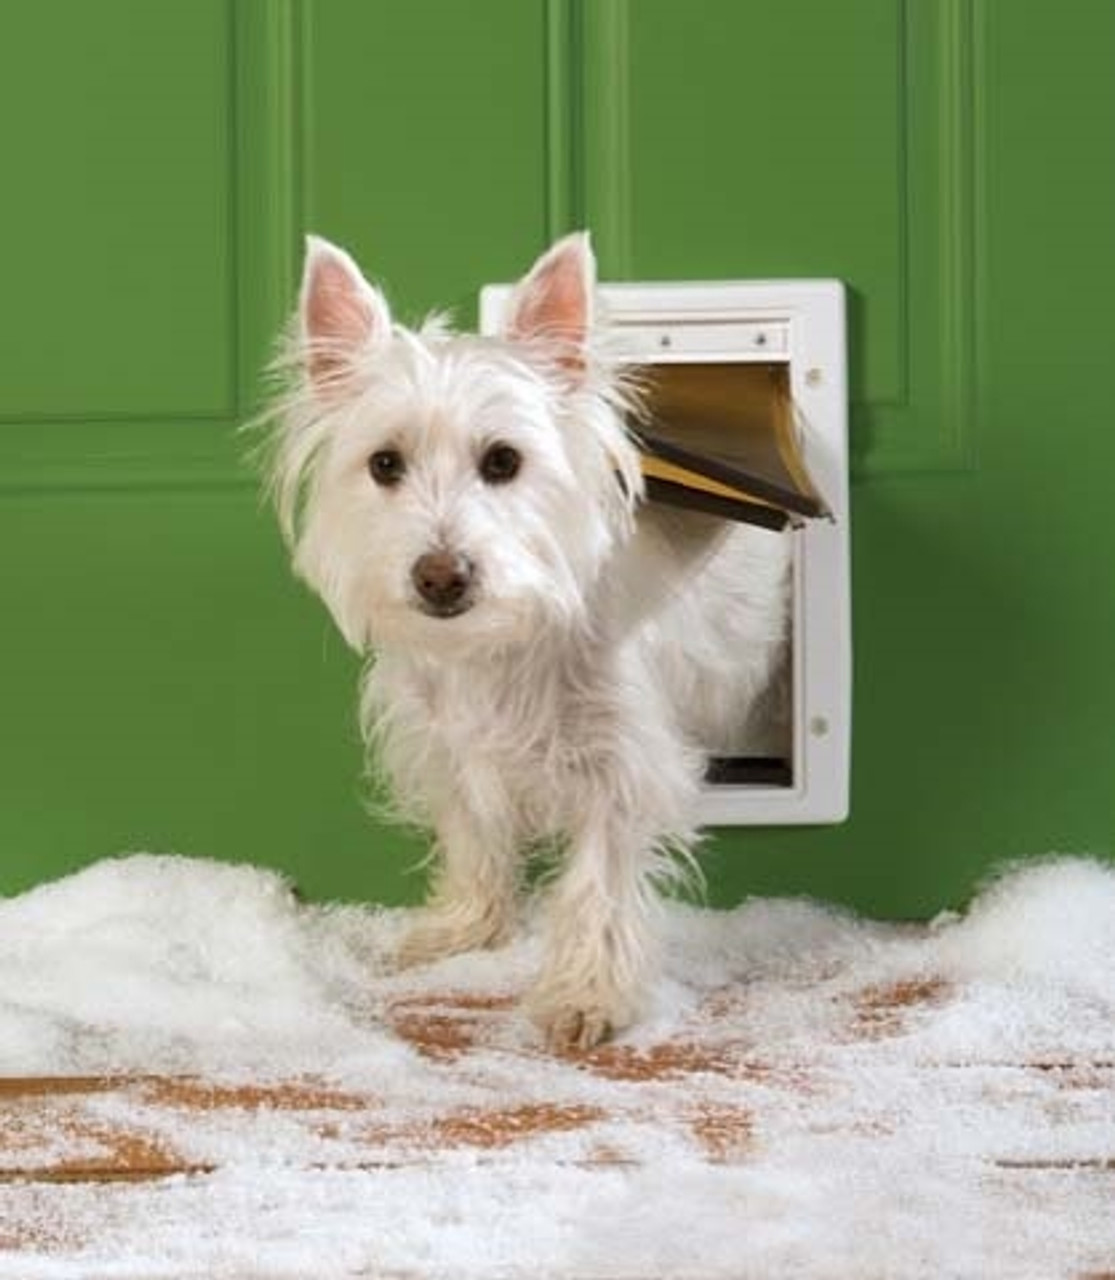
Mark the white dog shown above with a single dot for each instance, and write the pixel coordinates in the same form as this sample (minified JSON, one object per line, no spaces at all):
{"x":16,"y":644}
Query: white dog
{"x":552,"y":660}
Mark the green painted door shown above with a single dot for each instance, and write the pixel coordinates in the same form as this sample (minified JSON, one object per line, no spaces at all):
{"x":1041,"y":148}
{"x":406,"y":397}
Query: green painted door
{"x":164,"y":685}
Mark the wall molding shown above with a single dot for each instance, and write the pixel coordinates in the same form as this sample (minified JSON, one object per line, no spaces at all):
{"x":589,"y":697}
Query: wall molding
{"x":585,"y":70}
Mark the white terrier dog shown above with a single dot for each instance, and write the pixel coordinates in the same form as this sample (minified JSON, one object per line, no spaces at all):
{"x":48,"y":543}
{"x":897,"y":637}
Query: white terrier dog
{"x":551,"y":661}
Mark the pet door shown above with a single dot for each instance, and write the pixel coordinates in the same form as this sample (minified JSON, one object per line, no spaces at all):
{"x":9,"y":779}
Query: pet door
{"x":746,"y":419}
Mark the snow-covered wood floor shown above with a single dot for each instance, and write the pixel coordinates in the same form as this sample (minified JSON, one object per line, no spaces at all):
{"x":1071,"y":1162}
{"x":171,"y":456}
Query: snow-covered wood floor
{"x":200,"y":1076}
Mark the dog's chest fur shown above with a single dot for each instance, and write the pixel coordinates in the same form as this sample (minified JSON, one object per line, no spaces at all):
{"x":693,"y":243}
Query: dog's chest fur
{"x":517,"y":731}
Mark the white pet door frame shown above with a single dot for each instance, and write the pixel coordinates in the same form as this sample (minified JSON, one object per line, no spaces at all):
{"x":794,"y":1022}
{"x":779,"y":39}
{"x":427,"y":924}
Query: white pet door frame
{"x":800,"y":323}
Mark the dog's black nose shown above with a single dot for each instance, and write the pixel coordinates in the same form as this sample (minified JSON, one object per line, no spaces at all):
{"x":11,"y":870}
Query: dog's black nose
{"x":442,"y":580}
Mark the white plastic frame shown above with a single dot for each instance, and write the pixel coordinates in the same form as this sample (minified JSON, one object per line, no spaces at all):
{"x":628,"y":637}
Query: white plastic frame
{"x":801,"y":323}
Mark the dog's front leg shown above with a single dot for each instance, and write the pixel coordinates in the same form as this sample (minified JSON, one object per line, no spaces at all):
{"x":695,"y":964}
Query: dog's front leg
{"x":600,"y":942}
{"x":472,"y":901}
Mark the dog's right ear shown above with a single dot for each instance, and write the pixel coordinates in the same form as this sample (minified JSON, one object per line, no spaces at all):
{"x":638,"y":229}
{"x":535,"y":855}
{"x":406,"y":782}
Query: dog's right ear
{"x":340,"y":314}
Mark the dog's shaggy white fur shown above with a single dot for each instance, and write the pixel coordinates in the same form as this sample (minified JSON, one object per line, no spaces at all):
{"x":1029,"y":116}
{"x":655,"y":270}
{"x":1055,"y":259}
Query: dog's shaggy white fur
{"x":551,"y":659}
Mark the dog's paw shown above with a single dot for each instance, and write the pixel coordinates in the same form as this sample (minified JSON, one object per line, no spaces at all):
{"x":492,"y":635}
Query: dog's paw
{"x":575,"y":1030}
{"x":439,"y":934}
{"x":575,"y":1021}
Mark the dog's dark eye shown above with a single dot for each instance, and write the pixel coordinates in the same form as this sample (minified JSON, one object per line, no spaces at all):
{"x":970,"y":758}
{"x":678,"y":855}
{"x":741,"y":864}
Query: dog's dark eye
{"x":387,"y":467}
{"x":500,"y":463}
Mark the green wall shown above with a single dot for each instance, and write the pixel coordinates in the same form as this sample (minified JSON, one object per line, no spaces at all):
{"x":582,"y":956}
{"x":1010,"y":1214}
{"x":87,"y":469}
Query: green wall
{"x":165,"y":685}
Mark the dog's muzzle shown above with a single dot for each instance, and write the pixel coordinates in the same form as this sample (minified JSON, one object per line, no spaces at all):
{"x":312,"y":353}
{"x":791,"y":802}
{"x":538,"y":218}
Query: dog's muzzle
{"x":443,"y":581}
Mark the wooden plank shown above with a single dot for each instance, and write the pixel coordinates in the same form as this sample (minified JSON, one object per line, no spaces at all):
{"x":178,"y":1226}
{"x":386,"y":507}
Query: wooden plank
{"x":41,"y":1114}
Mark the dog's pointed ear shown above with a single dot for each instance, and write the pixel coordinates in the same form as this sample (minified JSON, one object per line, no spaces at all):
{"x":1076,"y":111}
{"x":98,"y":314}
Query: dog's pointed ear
{"x":340,"y":313}
{"x":553,"y":302}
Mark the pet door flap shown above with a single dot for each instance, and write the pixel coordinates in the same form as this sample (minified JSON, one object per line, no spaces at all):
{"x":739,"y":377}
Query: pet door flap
{"x":724,"y":438}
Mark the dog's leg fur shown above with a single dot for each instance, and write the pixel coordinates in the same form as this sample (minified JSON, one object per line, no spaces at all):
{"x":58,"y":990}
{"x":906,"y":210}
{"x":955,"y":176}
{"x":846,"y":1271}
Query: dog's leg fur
{"x":629,"y":813}
{"x":472,"y":901}
{"x":599,"y":930}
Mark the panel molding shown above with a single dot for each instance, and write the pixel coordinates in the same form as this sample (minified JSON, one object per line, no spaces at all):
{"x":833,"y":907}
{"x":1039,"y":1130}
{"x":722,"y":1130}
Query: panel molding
{"x":136,"y":450}
{"x":588,"y":161}
{"x":961,"y":133}
{"x":218,"y":405}
{"x":270,"y":158}
{"x":605,"y":136}
{"x":562,"y":69}
{"x":928,"y":425}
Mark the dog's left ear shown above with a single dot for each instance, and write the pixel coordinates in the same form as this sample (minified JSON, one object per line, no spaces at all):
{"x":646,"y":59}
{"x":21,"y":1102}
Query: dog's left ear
{"x":553,"y":302}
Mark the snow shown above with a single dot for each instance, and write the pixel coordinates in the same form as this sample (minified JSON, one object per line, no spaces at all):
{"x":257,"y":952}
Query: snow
{"x":829,"y":1096}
